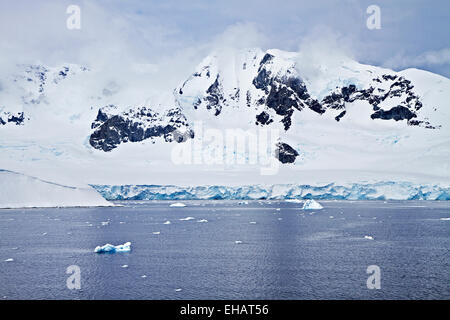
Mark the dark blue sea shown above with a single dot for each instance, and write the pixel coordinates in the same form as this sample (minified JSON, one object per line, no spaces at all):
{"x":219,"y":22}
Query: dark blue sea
{"x":244,"y":250}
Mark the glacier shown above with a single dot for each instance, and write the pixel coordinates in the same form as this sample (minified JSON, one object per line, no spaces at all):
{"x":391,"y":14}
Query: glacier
{"x":386,"y":190}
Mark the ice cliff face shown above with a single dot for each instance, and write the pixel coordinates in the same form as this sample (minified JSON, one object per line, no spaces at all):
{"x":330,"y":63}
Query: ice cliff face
{"x":369,"y":191}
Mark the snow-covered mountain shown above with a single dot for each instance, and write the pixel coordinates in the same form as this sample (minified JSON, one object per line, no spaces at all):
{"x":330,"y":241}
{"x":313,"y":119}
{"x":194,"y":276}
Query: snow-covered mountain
{"x":337,"y":122}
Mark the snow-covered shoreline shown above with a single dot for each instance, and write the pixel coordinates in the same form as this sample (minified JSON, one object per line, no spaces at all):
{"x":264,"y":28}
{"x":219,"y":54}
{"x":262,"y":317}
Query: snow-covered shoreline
{"x":20,"y":191}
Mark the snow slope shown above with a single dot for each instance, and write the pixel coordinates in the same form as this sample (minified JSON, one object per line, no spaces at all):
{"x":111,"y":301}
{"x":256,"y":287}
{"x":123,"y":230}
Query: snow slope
{"x":339,"y":119}
{"x":22,"y":191}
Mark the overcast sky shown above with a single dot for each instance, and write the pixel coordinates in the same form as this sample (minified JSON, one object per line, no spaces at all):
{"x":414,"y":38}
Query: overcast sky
{"x":413,"y":33}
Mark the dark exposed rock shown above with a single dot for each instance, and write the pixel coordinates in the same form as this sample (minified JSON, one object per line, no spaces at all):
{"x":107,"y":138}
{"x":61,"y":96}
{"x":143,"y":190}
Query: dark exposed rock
{"x":215,"y":97}
{"x":285,"y":153}
{"x":18,"y":118}
{"x":263,"y":118}
{"x":138,"y":125}
{"x":397,"y":113}
{"x":338,"y":117}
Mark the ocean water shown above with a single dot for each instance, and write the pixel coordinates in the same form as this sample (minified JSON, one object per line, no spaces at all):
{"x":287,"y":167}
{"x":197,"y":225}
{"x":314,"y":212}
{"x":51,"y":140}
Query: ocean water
{"x":244,"y":251}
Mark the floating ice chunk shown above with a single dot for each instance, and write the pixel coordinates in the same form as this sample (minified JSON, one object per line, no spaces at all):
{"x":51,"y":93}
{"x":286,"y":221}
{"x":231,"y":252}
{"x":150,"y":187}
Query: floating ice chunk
{"x":445,"y":219}
{"x":311,"y":205}
{"x":144,"y":276}
{"x":252,"y":222}
{"x":44,"y":234}
{"x":109,"y":248}
{"x":178,"y":205}
{"x":202,"y":220}
{"x":125,"y":266}
{"x":178,"y":290}
{"x":280,"y":219}
{"x":105,"y":223}
{"x":368,"y":237}
{"x":156,"y":232}
{"x":238,"y":242}
{"x":277,"y":209}
{"x":9,"y":260}
{"x":187,"y":219}
{"x":331,"y":217}
{"x":294,"y":200}
{"x":167,"y":222}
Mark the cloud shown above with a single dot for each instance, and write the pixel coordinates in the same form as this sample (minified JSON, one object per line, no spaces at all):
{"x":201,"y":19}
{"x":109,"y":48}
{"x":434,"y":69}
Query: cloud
{"x":428,"y":58}
{"x":322,"y":49}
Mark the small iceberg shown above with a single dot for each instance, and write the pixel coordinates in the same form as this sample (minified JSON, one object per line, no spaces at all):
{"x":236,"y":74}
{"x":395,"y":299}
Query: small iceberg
{"x":202,"y":220}
{"x":311,"y":205}
{"x":368,"y":237}
{"x":125,"y":266}
{"x":187,"y":219}
{"x":178,"y":205}
{"x":9,"y":260}
{"x":167,"y":222}
{"x":444,"y":219}
{"x":156,"y":232}
{"x":252,"y":222}
{"x":109,"y":248}
{"x":238,"y":242}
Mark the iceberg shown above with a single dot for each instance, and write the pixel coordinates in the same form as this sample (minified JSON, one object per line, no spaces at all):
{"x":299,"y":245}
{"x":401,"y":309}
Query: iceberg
{"x":109,"y":248}
{"x":311,"y":205}
{"x":368,"y":237}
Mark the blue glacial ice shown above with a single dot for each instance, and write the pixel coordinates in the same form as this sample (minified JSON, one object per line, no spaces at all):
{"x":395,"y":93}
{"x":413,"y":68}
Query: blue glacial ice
{"x":386,"y":190}
{"x":109,"y":248}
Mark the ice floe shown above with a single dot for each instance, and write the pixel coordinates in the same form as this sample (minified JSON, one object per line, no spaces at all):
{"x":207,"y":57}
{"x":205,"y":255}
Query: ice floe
{"x":294,"y":200}
{"x":167,"y":222}
{"x":202,"y":220}
{"x":187,"y":219}
{"x":368,"y":237}
{"x":9,"y":260}
{"x":156,"y":232}
{"x":178,"y":205}
{"x":445,"y":219}
{"x":109,"y":248}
